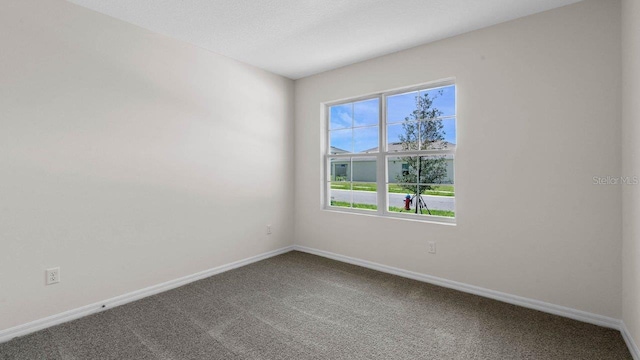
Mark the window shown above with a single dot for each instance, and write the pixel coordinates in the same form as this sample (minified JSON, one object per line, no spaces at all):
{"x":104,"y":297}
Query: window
{"x":393,"y":154}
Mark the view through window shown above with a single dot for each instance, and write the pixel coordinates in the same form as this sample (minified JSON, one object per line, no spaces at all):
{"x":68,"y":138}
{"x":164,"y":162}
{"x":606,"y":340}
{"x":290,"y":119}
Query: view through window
{"x":393,"y":154}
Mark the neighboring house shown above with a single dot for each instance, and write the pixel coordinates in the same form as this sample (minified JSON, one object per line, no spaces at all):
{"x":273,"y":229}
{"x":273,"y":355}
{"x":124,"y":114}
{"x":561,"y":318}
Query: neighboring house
{"x":364,"y":170}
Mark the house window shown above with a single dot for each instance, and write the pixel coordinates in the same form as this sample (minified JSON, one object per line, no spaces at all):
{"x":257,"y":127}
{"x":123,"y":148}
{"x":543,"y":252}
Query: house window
{"x":393,"y":154}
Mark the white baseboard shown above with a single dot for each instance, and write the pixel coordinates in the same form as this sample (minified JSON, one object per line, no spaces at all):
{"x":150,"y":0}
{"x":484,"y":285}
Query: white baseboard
{"x":631,"y":344}
{"x":28,"y":328}
{"x":491,"y":294}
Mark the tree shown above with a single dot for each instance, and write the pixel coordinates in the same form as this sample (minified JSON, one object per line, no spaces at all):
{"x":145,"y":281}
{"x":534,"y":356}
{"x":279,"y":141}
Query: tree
{"x":423,"y":130}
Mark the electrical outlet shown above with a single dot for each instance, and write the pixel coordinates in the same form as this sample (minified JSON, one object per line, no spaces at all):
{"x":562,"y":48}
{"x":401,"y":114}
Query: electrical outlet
{"x":53,"y":276}
{"x":268,"y":229}
{"x":432,"y":247}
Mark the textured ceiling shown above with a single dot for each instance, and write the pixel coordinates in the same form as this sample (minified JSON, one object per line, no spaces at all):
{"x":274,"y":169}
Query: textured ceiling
{"x":297,"y":38}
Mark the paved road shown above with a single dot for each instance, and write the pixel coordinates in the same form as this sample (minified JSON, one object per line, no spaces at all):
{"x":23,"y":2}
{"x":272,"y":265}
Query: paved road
{"x":370,"y":197}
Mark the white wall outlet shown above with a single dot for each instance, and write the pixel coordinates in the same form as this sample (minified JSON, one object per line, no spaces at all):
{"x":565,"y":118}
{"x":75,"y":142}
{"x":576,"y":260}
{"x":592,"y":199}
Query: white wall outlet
{"x":432,"y":247}
{"x":53,"y":276}
{"x":268,"y":229}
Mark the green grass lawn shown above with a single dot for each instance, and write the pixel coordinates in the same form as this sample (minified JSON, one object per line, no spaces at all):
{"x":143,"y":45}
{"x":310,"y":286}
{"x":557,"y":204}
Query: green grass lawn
{"x":446,"y":213}
{"x":355,"y":206}
{"x":440,"y":190}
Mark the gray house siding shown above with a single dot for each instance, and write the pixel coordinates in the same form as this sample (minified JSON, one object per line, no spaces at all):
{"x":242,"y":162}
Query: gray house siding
{"x":365,"y":171}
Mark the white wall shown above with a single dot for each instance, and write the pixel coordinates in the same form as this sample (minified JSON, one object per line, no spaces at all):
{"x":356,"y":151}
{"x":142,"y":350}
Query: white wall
{"x":538,"y":118}
{"x":129,"y":159}
{"x":631,"y":165}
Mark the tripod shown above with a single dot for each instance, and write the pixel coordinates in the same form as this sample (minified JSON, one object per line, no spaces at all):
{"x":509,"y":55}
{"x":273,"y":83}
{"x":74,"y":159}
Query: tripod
{"x":420,"y":204}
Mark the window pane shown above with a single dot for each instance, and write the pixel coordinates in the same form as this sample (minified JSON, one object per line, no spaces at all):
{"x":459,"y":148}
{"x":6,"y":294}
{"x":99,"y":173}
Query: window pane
{"x":436,"y":205}
{"x":366,"y":112}
{"x":401,"y":106}
{"x":364,"y":169}
{"x":399,"y":170}
{"x":365,"y":139}
{"x":449,"y":133}
{"x":434,"y":134}
{"x":359,"y":193}
{"x":341,"y":116}
{"x":340,"y":182}
{"x":341,"y":141}
{"x":430,"y":103}
{"x":433,"y":169}
{"x":397,"y":195}
{"x":403,"y":170}
{"x":340,"y":170}
{"x":444,"y":100}
{"x":364,"y":199}
{"x":402,"y":137}
{"x":426,"y":203}
{"x":364,"y":183}
{"x":340,"y":194}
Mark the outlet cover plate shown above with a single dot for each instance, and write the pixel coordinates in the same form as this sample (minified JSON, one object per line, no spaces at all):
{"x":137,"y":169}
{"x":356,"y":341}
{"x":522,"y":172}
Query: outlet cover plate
{"x":53,"y":276}
{"x":432,"y":247}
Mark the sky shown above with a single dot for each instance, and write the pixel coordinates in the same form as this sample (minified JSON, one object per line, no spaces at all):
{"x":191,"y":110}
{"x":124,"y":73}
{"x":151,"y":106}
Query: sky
{"x":354,"y":126}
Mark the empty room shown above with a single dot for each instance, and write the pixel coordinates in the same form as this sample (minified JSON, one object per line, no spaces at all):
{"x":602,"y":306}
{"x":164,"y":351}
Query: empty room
{"x":305,"y":179}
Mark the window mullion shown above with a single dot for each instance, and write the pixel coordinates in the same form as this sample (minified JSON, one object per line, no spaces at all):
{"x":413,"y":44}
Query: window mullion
{"x":382,"y":164}
{"x":350,"y":170}
{"x":327,"y":163}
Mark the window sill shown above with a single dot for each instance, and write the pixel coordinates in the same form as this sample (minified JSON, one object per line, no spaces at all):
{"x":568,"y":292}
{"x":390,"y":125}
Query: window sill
{"x":430,"y":219}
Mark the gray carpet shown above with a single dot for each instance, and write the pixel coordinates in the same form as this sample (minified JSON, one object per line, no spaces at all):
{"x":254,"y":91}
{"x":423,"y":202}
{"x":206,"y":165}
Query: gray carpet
{"x":300,"y":306}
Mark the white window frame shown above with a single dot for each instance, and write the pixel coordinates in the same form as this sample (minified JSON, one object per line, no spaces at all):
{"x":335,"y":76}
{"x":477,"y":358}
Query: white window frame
{"x":382,"y":155}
